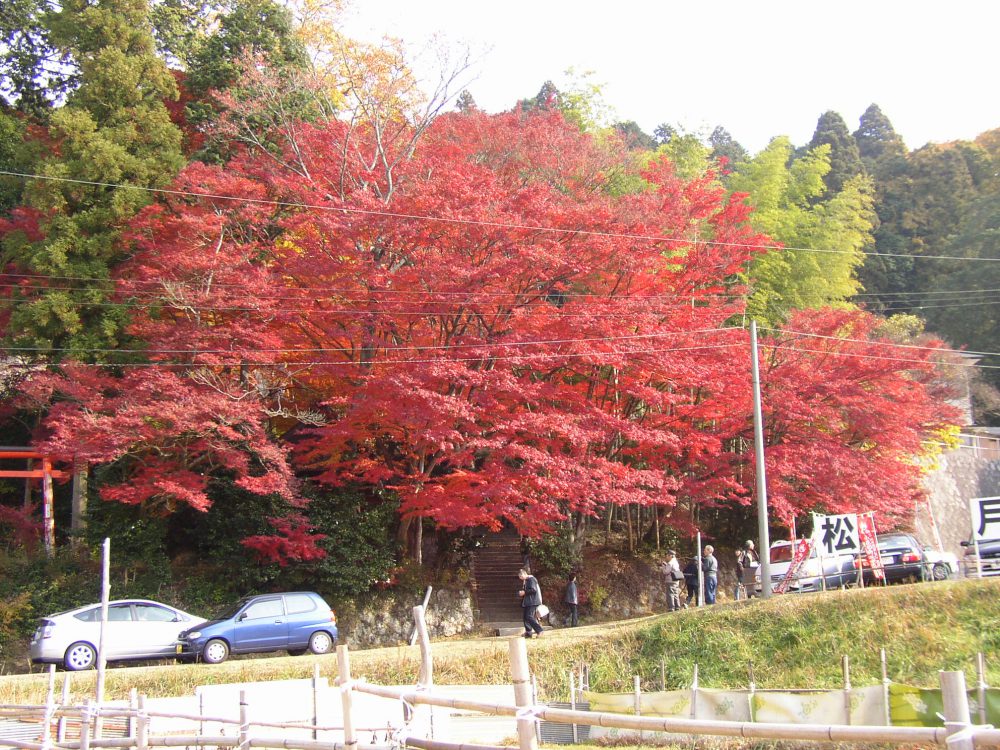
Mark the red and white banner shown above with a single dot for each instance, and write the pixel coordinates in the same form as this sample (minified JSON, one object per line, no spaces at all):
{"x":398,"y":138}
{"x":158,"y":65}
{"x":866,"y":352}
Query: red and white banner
{"x":802,"y":550}
{"x":870,"y":555}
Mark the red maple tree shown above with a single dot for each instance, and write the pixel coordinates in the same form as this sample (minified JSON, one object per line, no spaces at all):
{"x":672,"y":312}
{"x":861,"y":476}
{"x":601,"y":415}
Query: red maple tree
{"x":479,"y":321}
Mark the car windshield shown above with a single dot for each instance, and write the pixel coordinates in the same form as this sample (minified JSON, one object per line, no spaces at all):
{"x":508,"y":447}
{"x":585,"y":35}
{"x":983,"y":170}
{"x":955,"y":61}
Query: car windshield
{"x":784,"y":553}
{"x":230,"y":612}
{"x":889,"y":542}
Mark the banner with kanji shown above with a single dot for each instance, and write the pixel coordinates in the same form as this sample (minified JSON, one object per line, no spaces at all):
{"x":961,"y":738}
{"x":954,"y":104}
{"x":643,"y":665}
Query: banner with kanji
{"x":985,"y":512}
{"x":836,"y":535}
{"x":870,"y":555}
{"x":803,"y":548}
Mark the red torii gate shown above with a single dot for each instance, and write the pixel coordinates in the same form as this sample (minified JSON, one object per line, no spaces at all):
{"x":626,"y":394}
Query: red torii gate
{"x":46,"y":474}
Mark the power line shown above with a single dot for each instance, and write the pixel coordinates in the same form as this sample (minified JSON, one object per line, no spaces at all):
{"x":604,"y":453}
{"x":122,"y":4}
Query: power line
{"x":472,"y":222}
{"x":392,"y":291}
{"x":435,"y":347}
{"x":836,"y":353}
{"x":381,"y":312}
{"x":543,"y":356}
{"x":384,"y":363}
{"x":926,"y":293}
{"x":806,"y":334}
{"x":392,"y":307}
{"x":506,"y":344}
{"x":312,"y":290}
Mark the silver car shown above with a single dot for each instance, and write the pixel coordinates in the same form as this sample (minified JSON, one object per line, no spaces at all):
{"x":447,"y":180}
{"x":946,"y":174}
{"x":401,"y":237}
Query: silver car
{"x":136,"y":629}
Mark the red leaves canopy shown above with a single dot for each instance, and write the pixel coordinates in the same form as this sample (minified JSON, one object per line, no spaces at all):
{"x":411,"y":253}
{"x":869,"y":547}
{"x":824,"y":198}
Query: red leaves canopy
{"x":483,"y":326}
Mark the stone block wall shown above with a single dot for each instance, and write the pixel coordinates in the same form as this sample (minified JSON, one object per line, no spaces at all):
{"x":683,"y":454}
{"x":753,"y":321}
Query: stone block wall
{"x":960,"y":476}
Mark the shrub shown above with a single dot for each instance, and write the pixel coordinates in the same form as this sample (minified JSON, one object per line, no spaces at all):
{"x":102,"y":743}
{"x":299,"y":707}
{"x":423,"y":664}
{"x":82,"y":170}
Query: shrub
{"x":554,"y":555}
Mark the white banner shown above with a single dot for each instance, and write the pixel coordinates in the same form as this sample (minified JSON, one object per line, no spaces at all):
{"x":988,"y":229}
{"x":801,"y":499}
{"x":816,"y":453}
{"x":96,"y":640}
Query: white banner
{"x":985,"y":512}
{"x":836,"y":535}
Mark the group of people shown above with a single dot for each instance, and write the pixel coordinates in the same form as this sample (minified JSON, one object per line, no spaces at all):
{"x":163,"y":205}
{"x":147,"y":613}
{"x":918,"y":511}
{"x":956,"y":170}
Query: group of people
{"x":747,"y":562}
{"x":709,"y":567}
{"x":531,"y":600}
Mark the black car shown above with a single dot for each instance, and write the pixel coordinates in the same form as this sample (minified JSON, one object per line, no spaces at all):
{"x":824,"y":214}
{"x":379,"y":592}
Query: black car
{"x":989,"y":555}
{"x":906,"y":559}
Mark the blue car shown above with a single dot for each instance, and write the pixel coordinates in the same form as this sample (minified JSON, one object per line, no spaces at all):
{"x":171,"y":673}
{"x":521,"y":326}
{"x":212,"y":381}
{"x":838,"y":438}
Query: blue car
{"x":297,"y":621}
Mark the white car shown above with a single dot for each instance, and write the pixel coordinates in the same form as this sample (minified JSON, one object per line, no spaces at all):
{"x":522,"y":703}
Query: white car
{"x":941,"y":565}
{"x":839,"y":569}
{"x":136,"y":629}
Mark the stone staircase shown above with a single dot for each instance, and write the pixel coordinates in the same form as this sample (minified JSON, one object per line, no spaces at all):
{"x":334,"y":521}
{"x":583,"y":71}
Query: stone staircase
{"x":495,"y":566}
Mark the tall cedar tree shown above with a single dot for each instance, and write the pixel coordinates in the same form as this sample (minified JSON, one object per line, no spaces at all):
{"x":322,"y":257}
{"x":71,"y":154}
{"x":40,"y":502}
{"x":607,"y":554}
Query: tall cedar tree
{"x":113,"y":133}
{"x":845,"y":161}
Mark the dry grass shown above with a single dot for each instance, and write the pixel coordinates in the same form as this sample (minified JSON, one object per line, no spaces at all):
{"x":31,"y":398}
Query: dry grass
{"x":791,"y":641}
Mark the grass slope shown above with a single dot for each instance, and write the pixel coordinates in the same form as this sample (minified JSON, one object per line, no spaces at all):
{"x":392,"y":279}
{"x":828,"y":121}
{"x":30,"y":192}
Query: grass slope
{"x":791,"y":641}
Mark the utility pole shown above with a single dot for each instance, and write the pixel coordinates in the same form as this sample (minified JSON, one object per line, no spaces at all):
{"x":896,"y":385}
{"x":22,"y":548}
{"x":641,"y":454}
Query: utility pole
{"x":764,"y":535}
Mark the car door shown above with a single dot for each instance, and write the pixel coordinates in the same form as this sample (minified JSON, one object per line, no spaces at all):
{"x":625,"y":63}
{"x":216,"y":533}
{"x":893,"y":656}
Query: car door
{"x":120,"y":638}
{"x":261,"y":626}
{"x":156,"y":629}
{"x":303,"y":619}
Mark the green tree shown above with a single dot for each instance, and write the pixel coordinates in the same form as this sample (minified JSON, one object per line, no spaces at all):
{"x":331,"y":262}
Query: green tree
{"x":13,"y":158}
{"x":845,"y":161}
{"x":181,"y":28}
{"x":248,"y":36}
{"x":725,"y":147}
{"x":971,"y":277}
{"x":32,"y":70}
{"x":886,"y":271}
{"x":114,"y":137}
{"x":254,"y":28}
{"x":876,"y":139}
{"x":663,"y":133}
{"x":688,"y":153}
{"x":634,"y":136}
{"x":465,"y":102}
{"x":822,"y":240}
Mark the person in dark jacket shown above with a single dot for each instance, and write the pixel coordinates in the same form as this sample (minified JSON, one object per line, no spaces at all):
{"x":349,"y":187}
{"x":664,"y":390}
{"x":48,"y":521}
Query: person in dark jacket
{"x":531,"y":598}
{"x":572,"y":599}
{"x":711,"y":567}
{"x":747,"y":563}
{"x":691,"y":580}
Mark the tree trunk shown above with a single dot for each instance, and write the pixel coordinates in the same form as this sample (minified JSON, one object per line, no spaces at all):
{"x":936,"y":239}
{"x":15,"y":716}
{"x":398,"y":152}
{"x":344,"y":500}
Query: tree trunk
{"x":403,"y":536}
{"x":78,"y":520}
{"x":418,"y":543}
{"x":26,"y":505}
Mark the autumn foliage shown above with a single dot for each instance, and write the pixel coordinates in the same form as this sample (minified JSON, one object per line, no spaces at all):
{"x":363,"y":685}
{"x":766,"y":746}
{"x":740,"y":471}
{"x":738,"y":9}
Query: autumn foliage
{"x":476,"y":320}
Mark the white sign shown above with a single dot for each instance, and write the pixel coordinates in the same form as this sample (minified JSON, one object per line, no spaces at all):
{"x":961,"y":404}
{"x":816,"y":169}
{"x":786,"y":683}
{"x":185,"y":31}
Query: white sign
{"x":985,"y":513}
{"x":836,"y":535}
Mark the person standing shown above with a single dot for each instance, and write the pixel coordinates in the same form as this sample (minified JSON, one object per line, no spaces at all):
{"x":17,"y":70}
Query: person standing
{"x":672,"y":569}
{"x":572,"y":599}
{"x":691,"y":580}
{"x":711,"y":568}
{"x":531,"y":598}
{"x":747,"y":563}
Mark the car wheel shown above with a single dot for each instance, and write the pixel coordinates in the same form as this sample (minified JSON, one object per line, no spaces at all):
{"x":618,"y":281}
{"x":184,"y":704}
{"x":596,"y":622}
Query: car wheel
{"x":296,"y":651}
{"x":939,"y":572}
{"x":80,"y":656}
{"x":215,"y":651}
{"x":320,"y":643}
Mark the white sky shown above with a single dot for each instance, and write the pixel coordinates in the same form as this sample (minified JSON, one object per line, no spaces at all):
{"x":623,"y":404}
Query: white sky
{"x":760,"y":68}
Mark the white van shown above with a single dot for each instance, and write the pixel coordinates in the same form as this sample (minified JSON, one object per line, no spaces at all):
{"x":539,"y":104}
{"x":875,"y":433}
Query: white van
{"x":839,"y":569}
